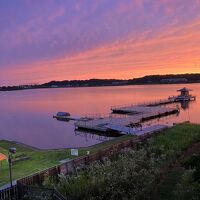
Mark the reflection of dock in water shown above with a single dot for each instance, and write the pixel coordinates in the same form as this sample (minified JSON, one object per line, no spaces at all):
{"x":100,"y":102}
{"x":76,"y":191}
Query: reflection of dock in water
{"x":95,"y":135}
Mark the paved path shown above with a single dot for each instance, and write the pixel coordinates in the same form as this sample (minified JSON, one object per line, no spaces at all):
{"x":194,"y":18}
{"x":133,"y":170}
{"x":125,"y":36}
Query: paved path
{"x":7,"y":185}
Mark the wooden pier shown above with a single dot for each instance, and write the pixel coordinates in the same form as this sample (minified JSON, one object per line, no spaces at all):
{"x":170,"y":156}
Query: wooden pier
{"x":126,"y":124}
{"x":143,"y":108}
{"x":130,"y":122}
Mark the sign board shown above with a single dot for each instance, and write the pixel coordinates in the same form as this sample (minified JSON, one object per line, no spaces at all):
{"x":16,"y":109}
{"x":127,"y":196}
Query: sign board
{"x":74,"y":152}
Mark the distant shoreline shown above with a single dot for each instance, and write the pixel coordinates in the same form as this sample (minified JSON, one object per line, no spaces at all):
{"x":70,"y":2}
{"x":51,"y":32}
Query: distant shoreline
{"x":12,"y":90}
{"x":146,"y":80}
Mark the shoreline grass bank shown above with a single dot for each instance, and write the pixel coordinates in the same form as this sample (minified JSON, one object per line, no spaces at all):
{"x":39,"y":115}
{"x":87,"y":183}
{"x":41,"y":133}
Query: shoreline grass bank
{"x":41,"y":159}
{"x":135,"y":172}
{"x":176,"y":138}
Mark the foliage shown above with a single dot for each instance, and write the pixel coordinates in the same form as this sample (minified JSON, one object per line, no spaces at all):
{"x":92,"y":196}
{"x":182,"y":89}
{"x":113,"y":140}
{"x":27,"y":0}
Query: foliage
{"x":188,"y":188}
{"x":133,"y":174}
{"x":178,"y":138}
{"x":41,"y":159}
{"x":194,"y":163}
{"x":37,"y":196}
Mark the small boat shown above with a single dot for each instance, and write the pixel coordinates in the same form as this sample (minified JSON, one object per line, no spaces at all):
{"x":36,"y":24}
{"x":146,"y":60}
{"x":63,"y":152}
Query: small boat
{"x":62,"y":116}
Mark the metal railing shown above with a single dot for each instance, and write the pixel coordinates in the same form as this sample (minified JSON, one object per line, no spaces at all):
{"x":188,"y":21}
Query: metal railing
{"x":27,"y":191}
{"x":9,"y":193}
{"x":149,"y":103}
{"x":21,"y":191}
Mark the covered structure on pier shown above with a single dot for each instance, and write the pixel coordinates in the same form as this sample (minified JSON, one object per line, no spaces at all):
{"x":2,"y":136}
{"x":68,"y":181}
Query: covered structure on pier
{"x":184,"y":91}
{"x":185,"y":95}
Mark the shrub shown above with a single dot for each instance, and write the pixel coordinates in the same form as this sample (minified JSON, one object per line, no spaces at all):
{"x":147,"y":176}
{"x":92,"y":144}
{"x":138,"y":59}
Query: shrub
{"x":131,"y":176}
{"x":188,"y":188}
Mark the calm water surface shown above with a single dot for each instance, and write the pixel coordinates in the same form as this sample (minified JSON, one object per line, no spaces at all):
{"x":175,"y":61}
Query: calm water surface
{"x":26,"y":116}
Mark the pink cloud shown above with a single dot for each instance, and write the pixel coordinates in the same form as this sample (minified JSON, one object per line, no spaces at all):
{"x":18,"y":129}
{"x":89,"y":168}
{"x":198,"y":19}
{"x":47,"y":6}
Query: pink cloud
{"x":175,"y":50}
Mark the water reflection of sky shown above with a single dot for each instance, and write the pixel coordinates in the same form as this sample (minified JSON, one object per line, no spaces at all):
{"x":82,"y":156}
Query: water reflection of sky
{"x":26,"y":116}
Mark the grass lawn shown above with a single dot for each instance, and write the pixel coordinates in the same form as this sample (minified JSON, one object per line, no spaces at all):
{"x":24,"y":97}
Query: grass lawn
{"x":178,"y":138}
{"x":40,"y":160}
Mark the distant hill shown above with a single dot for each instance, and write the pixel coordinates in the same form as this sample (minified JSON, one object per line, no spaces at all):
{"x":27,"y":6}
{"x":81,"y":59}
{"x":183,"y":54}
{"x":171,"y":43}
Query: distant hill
{"x":81,"y":83}
{"x":152,"y":79}
{"x":169,"y":78}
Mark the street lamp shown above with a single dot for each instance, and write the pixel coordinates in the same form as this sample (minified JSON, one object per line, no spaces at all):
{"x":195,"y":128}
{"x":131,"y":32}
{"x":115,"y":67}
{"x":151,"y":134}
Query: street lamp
{"x":12,"y":150}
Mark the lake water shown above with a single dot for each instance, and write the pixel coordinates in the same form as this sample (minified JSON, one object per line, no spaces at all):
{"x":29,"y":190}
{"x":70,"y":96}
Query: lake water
{"x":27,"y":116}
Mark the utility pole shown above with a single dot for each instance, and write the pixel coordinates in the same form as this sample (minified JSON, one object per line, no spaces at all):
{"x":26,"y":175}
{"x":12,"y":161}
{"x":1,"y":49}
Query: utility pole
{"x":11,"y":151}
{"x":10,"y":168}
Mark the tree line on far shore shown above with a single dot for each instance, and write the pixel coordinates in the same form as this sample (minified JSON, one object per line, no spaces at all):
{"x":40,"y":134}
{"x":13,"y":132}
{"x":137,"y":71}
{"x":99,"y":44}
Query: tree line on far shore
{"x":151,"y":79}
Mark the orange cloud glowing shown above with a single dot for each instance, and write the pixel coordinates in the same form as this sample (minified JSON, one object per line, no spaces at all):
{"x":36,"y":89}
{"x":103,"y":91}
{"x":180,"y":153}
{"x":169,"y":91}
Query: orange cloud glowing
{"x":171,"y":50}
{"x":174,"y":49}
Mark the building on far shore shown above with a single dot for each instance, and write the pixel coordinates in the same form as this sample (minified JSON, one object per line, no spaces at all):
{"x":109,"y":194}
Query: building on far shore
{"x":174,"y":80}
{"x":119,"y":83}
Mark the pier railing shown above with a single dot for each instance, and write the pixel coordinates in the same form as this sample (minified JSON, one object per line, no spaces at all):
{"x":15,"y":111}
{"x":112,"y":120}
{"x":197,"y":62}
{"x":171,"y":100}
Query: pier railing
{"x":160,"y":102}
{"x":123,"y":106}
{"x":143,"y":113}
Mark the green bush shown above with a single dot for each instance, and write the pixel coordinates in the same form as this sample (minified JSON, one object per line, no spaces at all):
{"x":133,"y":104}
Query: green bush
{"x":188,"y":188}
{"x":177,"y":138}
{"x":132,"y":175}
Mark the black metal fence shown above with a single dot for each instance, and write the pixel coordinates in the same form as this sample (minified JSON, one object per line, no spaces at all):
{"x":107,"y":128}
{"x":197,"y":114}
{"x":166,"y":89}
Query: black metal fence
{"x":9,"y":193}
{"x":27,"y":192}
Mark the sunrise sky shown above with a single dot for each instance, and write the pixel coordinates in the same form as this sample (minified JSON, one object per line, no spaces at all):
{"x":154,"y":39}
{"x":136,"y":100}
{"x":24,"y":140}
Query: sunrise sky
{"x":43,"y":40}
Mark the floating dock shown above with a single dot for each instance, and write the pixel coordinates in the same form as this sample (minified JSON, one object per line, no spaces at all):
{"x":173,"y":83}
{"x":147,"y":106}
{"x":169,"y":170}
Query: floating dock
{"x":126,"y":124}
{"x":151,"y":129}
{"x":145,"y":107}
{"x":132,"y":117}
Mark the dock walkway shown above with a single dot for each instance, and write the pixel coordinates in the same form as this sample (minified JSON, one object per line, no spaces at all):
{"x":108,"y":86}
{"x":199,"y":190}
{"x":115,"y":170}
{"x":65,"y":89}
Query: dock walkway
{"x":133,"y":115}
{"x":136,"y":131}
{"x":151,"y":129}
{"x":125,"y":124}
{"x":137,"y":109}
